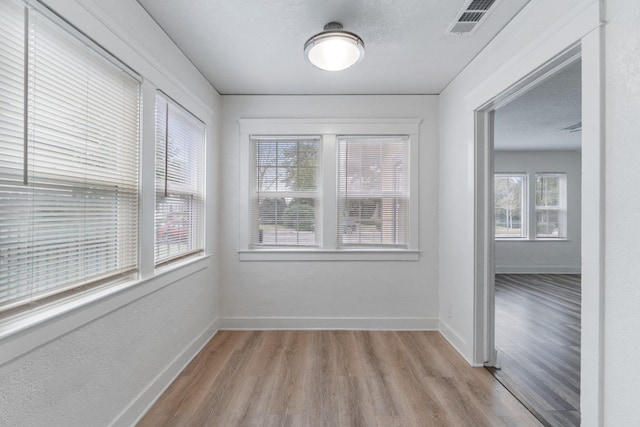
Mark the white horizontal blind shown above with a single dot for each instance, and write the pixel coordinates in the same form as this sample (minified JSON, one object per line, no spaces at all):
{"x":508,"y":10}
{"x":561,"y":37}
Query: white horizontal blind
{"x":12,"y":48}
{"x":69,"y":210}
{"x":285,"y":197}
{"x":180,"y":179}
{"x":373,"y":191}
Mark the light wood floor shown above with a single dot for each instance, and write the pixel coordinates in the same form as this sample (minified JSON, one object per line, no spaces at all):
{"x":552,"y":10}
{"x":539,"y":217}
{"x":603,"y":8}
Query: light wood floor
{"x":334,"y":378}
{"x":538,"y":343}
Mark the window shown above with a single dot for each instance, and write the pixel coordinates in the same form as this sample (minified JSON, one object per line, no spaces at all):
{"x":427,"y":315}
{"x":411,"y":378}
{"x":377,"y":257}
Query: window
{"x":373,"y":191}
{"x":329,"y":189}
{"x":551,"y":205}
{"x":180,"y":153}
{"x":285,"y":194}
{"x":547,"y":205}
{"x":510,"y":205}
{"x":68,"y":160}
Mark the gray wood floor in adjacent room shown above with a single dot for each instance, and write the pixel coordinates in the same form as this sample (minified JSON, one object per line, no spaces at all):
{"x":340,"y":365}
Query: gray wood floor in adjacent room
{"x":538,"y":343}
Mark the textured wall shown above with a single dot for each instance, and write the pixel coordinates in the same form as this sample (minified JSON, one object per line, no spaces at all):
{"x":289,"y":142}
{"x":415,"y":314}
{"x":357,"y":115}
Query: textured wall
{"x":540,"y":31}
{"x":622,"y":261}
{"x":328,"y":289}
{"x":88,"y":376}
{"x":96,"y":371}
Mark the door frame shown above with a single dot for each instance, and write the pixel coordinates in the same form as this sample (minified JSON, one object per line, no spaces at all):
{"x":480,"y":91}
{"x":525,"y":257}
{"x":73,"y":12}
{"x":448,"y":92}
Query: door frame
{"x":484,"y":221}
{"x":591,"y":50}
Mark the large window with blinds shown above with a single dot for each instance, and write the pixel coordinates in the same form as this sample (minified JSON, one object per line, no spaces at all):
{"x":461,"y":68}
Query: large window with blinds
{"x":285,"y":194}
{"x":373,"y":191}
{"x":69,"y":142}
{"x":329,"y":189}
{"x":180,"y":161}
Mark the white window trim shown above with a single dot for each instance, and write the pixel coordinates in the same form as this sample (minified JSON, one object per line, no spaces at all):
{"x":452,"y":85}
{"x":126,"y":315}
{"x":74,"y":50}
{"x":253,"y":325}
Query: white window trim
{"x":328,"y":129}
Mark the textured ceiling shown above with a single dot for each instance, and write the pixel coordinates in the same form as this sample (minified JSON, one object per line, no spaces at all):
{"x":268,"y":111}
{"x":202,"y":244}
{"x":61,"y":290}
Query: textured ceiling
{"x":536,"y":120}
{"x":256,"y":46}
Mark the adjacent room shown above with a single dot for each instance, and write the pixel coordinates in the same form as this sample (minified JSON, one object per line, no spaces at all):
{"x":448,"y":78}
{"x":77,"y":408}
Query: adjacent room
{"x":537,"y":190}
{"x":269,"y":213}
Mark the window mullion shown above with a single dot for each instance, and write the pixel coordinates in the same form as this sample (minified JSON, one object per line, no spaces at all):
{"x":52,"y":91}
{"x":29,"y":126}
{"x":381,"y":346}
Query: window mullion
{"x":147,"y":181}
{"x":166,"y":150}
{"x":529,"y":213}
{"x":328,"y":218}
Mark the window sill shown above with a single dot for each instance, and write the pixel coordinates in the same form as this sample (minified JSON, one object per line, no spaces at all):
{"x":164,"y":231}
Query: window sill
{"x":498,"y":239}
{"x":328,"y":255}
{"x":511,"y":239}
{"x":25,"y":331}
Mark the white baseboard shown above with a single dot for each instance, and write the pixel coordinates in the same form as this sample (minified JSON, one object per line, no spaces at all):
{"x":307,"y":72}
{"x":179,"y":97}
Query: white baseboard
{"x":330,"y":323}
{"x":148,"y":396}
{"x":526,"y":269}
{"x":457,"y":342}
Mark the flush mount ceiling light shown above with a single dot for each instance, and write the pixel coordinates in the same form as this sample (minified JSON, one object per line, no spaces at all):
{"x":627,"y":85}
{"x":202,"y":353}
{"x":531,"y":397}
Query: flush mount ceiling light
{"x":334,"y":49}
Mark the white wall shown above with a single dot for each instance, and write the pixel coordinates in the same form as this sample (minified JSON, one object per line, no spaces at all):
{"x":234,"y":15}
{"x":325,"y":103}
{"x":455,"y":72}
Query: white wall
{"x":87,"y":375}
{"x":329,"y":294}
{"x":91,"y":375}
{"x":543,"y":256}
{"x":622,"y":260}
{"x":540,"y":31}
{"x":104,"y":362}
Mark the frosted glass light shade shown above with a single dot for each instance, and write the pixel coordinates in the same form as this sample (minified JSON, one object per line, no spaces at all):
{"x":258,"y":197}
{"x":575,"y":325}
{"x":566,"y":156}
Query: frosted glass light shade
{"x":334,"y":50}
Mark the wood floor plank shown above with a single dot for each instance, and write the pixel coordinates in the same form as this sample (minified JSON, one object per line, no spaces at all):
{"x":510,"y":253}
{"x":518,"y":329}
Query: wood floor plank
{"x":334,"y":378}
{"x":287,"y":398}
{"x":538,"y":343}
{"x":189,"y":389}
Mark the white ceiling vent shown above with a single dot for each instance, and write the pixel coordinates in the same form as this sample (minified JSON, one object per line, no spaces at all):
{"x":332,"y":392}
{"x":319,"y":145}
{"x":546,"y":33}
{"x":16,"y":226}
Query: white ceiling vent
{"x":471,"y":15}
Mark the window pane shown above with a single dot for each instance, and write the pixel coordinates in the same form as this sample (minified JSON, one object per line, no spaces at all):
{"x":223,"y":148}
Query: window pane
{"x":288,"y":222}
{"x":548,"y":223}
{"x":547,"y":190}
{"x":373,"y":202}
{"x":176,"y":233}
{"x":179,"y":216}
{"x":551,"y":202}
{"x":284,"y":206}
{"x":510,"y":205}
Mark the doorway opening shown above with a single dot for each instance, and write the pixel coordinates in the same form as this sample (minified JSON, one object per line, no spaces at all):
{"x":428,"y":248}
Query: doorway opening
{"x":528,"y":242}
